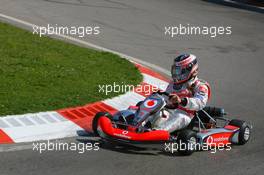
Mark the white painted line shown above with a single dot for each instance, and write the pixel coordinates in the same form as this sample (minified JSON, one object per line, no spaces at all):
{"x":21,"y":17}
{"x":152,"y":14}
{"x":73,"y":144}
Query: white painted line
{"x":11,"y":148}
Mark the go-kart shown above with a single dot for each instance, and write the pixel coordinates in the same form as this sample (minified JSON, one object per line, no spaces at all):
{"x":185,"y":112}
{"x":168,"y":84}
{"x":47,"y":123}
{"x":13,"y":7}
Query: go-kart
{"x":134,"y":126}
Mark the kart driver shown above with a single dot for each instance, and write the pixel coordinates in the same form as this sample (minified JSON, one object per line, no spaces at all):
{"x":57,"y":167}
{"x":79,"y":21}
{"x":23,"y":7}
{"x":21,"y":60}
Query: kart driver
{"x":188,"y":94}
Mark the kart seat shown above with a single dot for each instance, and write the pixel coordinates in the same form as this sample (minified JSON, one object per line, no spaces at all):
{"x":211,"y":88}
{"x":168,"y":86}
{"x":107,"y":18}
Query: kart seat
{"x":214,"y":112}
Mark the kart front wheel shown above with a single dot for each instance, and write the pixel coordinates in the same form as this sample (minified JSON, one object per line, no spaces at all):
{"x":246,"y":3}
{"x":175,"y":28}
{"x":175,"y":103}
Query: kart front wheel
{"x":187,"y":141}
{"x":244,"y":131}
{"x":96,"y":118}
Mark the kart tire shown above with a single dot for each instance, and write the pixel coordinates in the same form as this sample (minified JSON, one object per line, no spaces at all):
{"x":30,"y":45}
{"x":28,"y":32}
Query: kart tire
{"x":95,"y":121}
{"x":244,"y":131}
{"x":188,"y":138}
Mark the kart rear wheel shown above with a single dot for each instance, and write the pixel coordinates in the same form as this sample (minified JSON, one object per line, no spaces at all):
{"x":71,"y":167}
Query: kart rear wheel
{"x":187,"y":141}
{"x":244,"y":131}
{"x":96,"y":118}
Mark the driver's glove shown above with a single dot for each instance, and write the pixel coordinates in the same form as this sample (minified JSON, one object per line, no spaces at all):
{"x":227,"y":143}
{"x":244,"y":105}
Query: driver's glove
{"x":175,"y":101}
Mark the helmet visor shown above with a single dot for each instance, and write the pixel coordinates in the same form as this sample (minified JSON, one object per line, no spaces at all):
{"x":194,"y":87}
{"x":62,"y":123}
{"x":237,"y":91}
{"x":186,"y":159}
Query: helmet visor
{"x":180,"y":73}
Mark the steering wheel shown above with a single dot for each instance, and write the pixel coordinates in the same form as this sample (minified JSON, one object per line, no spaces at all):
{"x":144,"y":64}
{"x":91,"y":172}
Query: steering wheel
{"x":174,"y":106}
{"x":162,"y":93}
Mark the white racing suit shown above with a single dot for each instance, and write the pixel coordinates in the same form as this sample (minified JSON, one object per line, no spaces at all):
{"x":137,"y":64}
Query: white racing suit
{"x":196,"y":93}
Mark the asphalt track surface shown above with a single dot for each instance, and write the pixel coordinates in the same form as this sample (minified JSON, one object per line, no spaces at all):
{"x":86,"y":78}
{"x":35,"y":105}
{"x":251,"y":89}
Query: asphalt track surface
{"x":232,"y":64}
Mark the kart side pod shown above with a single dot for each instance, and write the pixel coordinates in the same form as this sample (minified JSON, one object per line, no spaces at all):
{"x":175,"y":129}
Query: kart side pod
{"x":106,"y":130}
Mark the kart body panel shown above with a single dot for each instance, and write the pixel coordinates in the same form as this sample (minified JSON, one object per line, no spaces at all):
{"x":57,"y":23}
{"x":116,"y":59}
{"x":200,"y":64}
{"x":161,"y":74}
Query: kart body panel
{"x":214,"y":136}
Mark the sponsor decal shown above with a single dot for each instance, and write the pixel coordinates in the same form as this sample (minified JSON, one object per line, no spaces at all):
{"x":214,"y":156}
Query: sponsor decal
{"x":218,"y":138}
{"x":123,"y":135}
{"x":150,"y":103}
{"x":210,"y":139}
{"x":125,"y":132}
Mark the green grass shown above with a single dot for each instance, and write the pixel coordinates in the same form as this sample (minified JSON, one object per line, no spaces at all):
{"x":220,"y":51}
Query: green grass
{"x":41,"y":74}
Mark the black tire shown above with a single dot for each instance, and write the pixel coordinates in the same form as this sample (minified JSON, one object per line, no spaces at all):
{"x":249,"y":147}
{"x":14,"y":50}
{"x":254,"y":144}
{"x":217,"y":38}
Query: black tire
{"x":244,"y":131}
{"x":188,"y":138}
{"x":96,"y":118}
